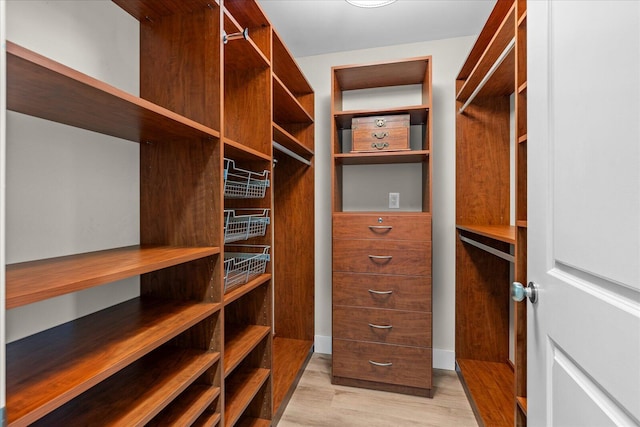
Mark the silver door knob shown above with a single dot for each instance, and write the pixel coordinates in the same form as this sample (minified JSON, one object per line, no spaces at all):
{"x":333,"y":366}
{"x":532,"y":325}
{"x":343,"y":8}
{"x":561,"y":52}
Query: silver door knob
{"x":520,"y":292}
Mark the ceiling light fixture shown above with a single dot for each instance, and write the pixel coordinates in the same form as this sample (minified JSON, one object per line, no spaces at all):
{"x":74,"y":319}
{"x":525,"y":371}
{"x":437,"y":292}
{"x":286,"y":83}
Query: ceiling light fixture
{"x":370,"y":3}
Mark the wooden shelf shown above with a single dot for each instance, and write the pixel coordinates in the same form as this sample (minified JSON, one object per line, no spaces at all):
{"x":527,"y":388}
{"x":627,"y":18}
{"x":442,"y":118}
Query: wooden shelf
{"x":502,"y":233}
{"x":187,"y":407}
{"x":386,"y":157}
{"x":284,"y":138}
{"x":502,"y":82}
{"x":522,"y":139}
{"x":287,"y":70}
{"x":143,"y":10}
{"x":286,"y":107}
{"x":522,"y":403}
{"x":489,"y":387}
{"x":290,"y":356}
{"x":240,"y":291}
{"x":254,"y":422}
{"x":243,"y":54}
{"x":522,"y":19}
{"x":208,"y":419}
{"x":418,"y":115}
{"x":34,"y":85}
{"x":522,"y":88}
{"x":240,"y":390}
{"x":33,"y":281}
{"x":383,"y":74}
{"x":151,"y":384}
{"x":46,"y":370}
{"x":522,"y":224}
{"x":237,"y":151}
{"x":240,"y":342}
{"x":230,"y":24}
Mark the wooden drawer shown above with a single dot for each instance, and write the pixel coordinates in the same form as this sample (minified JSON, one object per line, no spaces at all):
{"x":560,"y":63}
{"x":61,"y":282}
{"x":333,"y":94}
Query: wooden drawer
{"x":382,"y":291}
{"x":409,"y":366}
{"x":384,"y":326}
{"x":380,"y":133}
{"x":414,"y":226}
{"x":382,"y":257}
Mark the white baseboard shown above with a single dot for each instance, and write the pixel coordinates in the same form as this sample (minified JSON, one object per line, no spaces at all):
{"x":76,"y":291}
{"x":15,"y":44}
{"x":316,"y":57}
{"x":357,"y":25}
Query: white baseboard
{"x":442,"y":359}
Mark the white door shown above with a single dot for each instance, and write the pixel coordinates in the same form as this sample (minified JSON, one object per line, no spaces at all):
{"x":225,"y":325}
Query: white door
{"x":584,"y":212}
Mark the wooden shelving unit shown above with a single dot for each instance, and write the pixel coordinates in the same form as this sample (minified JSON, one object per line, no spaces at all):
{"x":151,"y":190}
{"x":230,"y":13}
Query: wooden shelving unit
{"x":491,"y":244}
{"x":185,"y":352}
{"x":385,"y":341}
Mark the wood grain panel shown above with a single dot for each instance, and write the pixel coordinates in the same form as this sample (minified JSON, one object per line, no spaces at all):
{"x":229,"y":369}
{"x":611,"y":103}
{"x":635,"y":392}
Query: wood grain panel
{"x":482,"y":304}
{"x":290,"y":357}
{"x":410,"y":366}
{"x":417,"y":115}
{"x":187,"y":81}
{"x":150,"y":384}
{"x":381,"y":74}
{"x":240,"y":390}
{"x":482,"y":163}
{"x":406,"y":257}
{"x":411,"y":293}
{"x":389,"y":157}
{"x":34,"y":85}
{"x":48,"y":369}
{"x":287,"y":70}
{"x":187,"y":407}
{"x":240,"y":342}
{"x":370,"y":324}
{"x":208,"y":419}
{"x":293,"y":248}
{"x":286,"y":107}
{"x":151,"y":10}
{"x":34,"y":281}
{"x":284,"y":137}
{"x":403,"y":226}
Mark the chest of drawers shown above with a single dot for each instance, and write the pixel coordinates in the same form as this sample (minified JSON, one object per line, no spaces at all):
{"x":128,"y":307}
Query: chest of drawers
{"x":382,"y":318}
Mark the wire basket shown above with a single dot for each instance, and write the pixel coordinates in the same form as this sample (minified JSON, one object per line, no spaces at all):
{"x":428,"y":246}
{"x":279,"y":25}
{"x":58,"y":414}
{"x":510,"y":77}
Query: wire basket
{"x":242,"y":225}
{"x":241,"y":266}
{"x":244,"y":184}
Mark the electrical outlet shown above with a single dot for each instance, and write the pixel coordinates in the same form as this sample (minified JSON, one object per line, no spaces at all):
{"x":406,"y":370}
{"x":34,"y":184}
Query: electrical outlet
{"x":394,"y":200}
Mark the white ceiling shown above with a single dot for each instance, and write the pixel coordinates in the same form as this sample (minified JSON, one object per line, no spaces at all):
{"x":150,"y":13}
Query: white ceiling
{"x":313,"y":27}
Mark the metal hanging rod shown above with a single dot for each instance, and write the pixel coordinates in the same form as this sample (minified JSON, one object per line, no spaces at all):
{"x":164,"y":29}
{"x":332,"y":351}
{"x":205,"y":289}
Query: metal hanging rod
{"x":487,"y":76}
{"x":290,"y":153}
{"x":244,"y":34}
{"x":489,"y":249}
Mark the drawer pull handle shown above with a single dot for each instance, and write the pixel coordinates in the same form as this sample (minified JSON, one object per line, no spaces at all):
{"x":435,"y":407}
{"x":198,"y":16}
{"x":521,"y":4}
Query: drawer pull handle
{"x":385,"y":257}
{"x":380,"y":326}
{"x":380,"y":364}
{"x":380,"y":292}
{"x":380,"y":135}
{"x":380,"y":227}
{"x":379,"y":145}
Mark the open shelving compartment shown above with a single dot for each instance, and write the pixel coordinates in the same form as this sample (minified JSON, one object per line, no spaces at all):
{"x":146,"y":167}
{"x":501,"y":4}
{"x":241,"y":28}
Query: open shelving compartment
{"x":491,"y":218}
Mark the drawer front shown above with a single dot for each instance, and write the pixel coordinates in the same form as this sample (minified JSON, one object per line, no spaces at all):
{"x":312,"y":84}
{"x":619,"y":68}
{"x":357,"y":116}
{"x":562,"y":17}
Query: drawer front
{"x":382,"y":291}
{"x":382,"y":226}
{"x":391,"y":364}
{"x":383,"y":326}
{"x":382,"y":257}
{"x":381,"y":122}
{"x":382,"y":139}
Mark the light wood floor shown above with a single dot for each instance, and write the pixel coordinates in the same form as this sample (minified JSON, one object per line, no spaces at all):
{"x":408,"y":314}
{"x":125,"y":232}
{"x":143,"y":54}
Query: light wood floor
{"x":316,"y":402}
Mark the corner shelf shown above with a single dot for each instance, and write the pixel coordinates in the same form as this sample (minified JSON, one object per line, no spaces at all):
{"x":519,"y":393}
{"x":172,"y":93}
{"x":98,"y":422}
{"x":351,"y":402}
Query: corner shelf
{"x":66,"y":356}
{"x":33,"y":281}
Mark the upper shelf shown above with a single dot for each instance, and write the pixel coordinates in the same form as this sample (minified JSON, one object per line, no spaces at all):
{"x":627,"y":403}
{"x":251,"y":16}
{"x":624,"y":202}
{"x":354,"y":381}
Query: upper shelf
{"x":492,"y":75}
{"x":284,"y":138}
{"x":29,"y":282}
{"x":43,"y":88}
{"x":382,"y":74}
{"x":417,"y":113}
{"x":286,"y":108}
{"x":386,"y":157}
{"x":155,"y":9}
{"x":241,"y":54}
{"x":287,"y":69}
{"x":502,"y":233}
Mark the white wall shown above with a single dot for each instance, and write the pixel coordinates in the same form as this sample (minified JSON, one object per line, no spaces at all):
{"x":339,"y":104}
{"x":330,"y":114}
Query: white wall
{"x":70,"y":190}
{"x":448,"y":56}
{"x":2,"y":207}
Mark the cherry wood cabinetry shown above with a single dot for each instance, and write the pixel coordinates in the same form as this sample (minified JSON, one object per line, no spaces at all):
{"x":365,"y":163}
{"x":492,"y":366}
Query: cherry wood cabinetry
{"x":491,"y":169}
{"x":184,"y":352}
{"x":382,"y":319}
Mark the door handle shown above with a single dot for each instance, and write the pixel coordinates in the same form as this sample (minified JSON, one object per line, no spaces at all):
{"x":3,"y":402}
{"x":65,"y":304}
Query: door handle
{"x":520,"y":292}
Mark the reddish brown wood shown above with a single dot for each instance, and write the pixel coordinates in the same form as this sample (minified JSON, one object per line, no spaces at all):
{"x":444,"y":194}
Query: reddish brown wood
{"x":368,"y":140}
{"x":410,"y":366}
{"x":411,"y":293}
{"x":240,"y":390}
{"x":48,"y":369}
{"x":254,"y":422}
{"x":240,"y":342}
{"x":412,"y":156}
{"x":242,"y":54}
{"x":34,"y":281}
{"x":417,"y":115}
{"x":375,"y":385}
{"x":411,"y":328}
{"x":288,"y":72}
{"x":402,"y":226}
{"x":34,"y":85}
{"x":150,"y":384}
{"x":283,"y":137}
{"x":238,"y":292}
{"x":302,"y":132}
{"x":381,"y":74}
{"x":489,"y":386}
{"x":187,"y":407}
{"x":286,"y":107}
{"x":152,"y":10}
{"x":290,"y":357}
{"x":250,"y":15}
{"x":502,"y":233}
{"x":208,"y":419}
{"x":407,"y":257}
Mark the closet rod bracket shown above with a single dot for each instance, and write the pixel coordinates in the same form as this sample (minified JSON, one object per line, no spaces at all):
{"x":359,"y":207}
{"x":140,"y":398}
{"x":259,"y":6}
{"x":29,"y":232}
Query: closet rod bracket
{"x":244,"y":34}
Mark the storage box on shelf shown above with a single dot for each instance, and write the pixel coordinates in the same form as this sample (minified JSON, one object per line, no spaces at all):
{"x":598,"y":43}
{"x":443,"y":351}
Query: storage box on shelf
{"x":491,"y":246}
{"x":388,"y":347}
